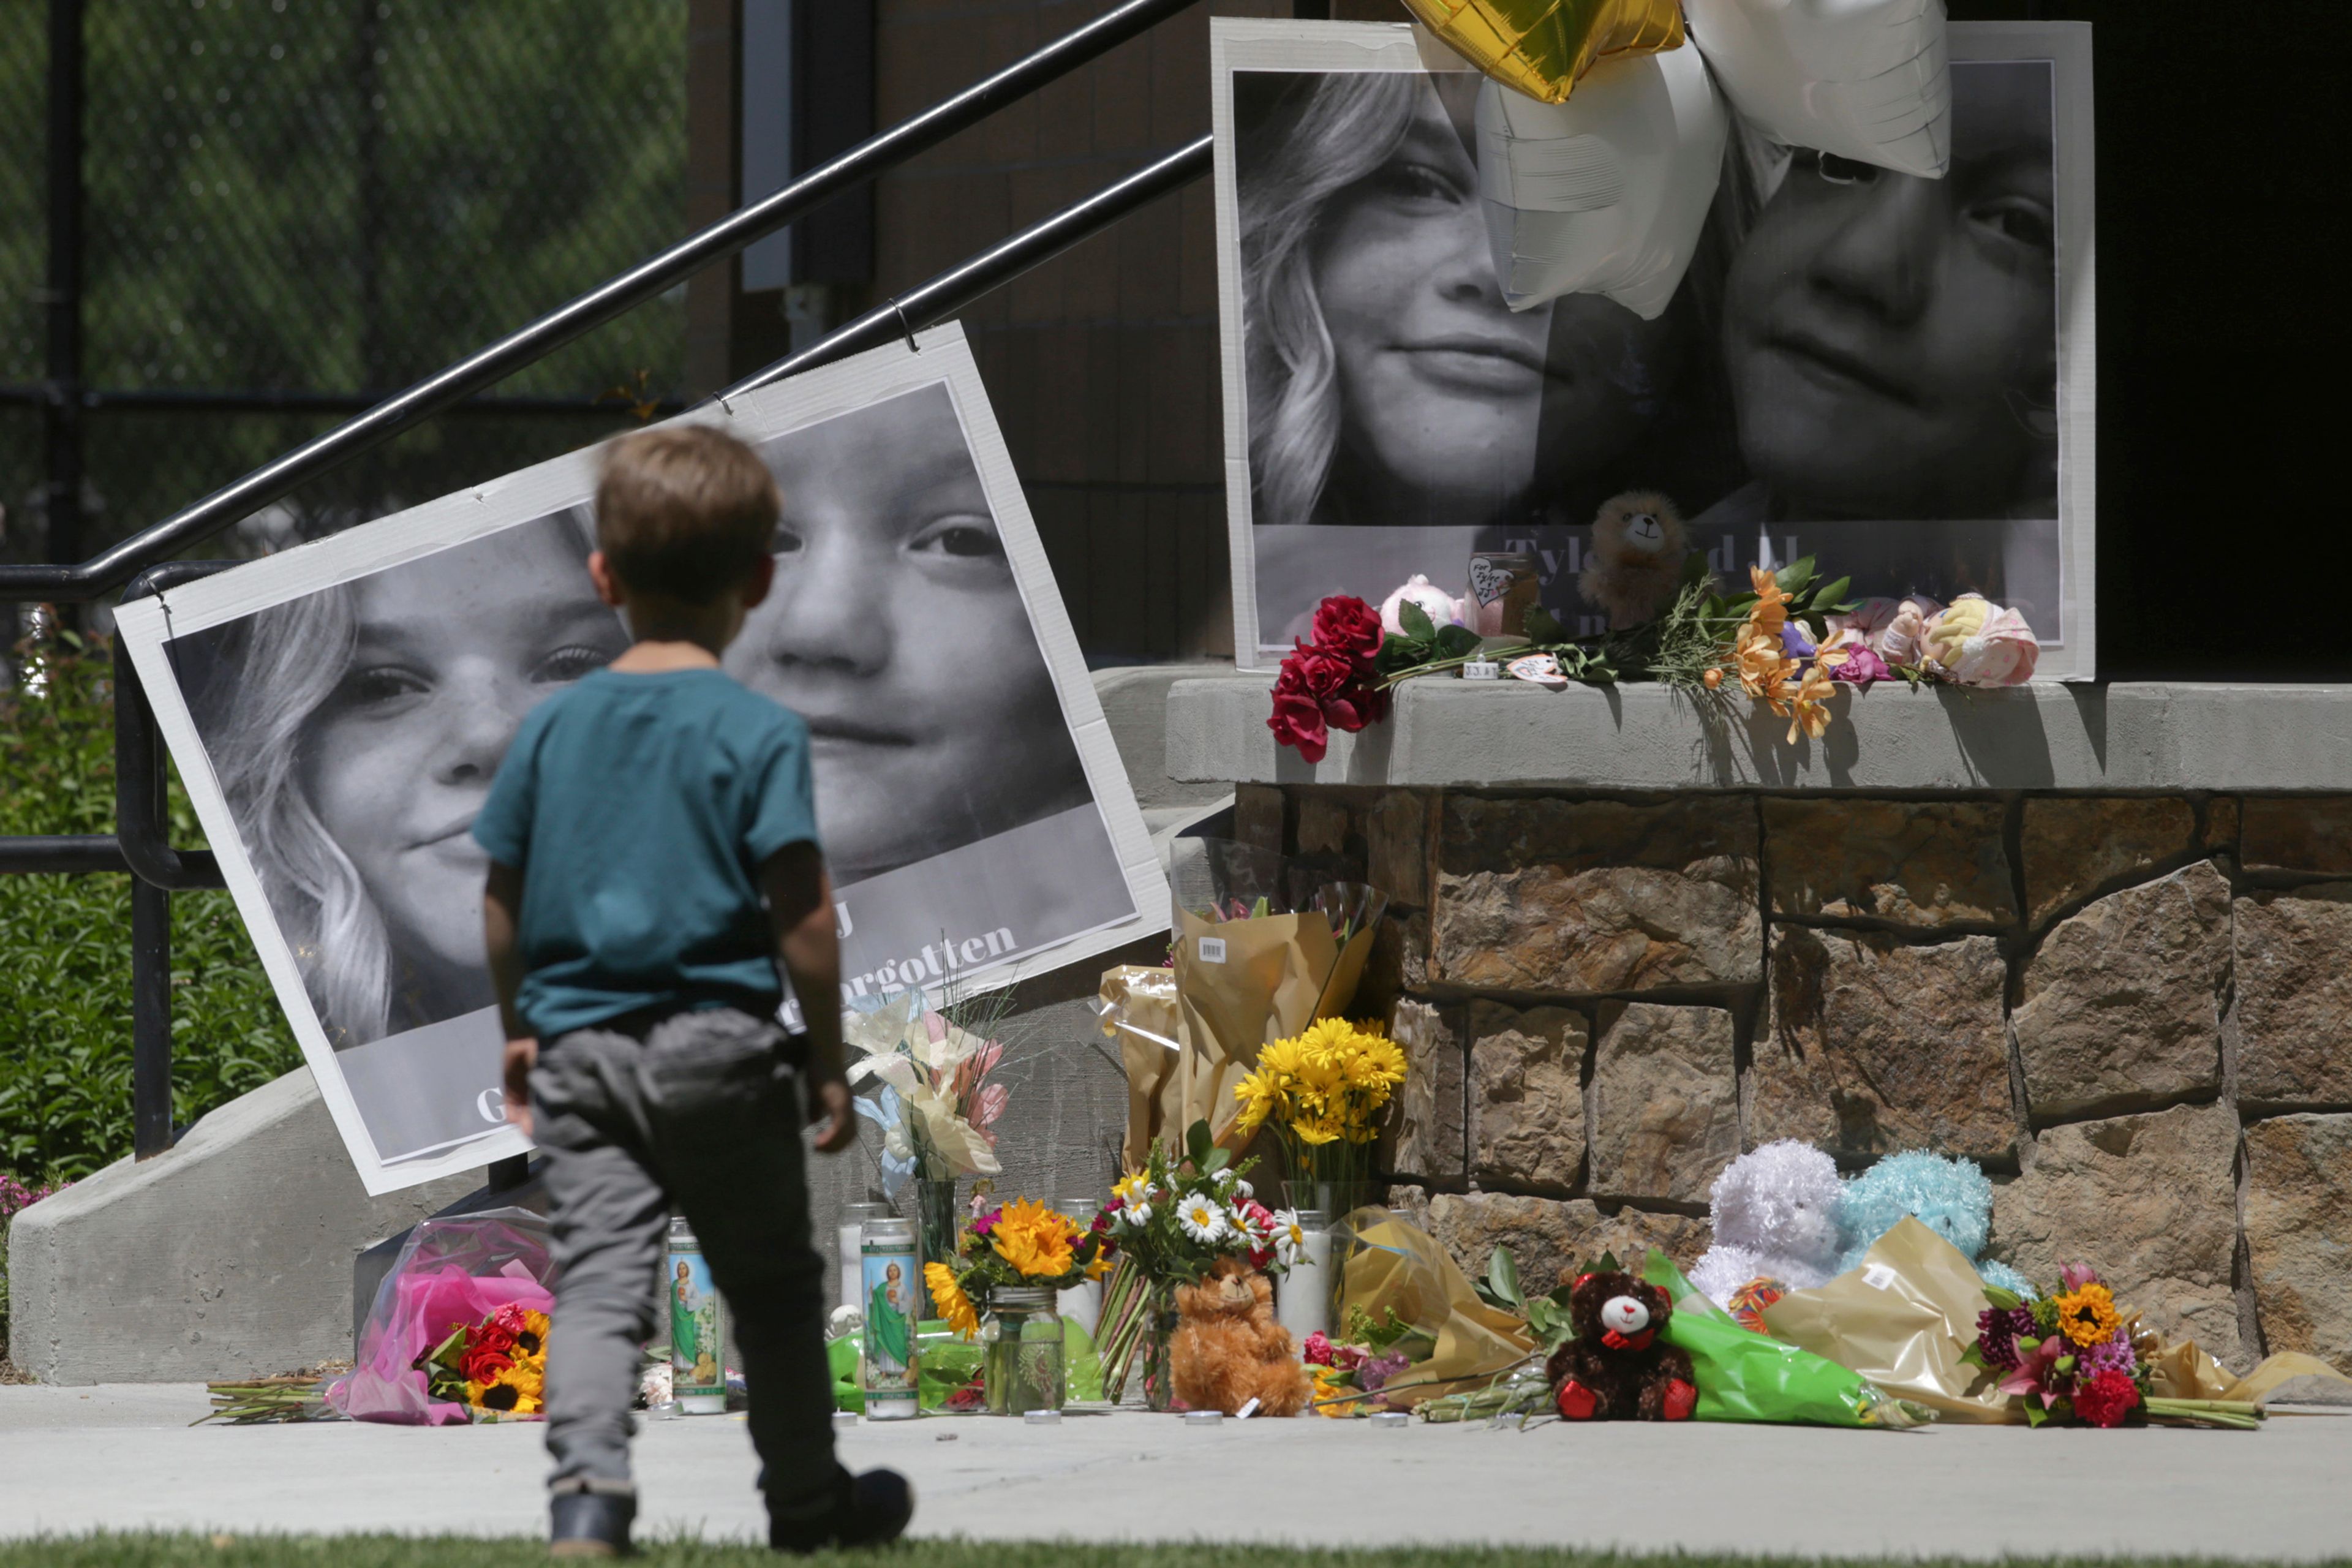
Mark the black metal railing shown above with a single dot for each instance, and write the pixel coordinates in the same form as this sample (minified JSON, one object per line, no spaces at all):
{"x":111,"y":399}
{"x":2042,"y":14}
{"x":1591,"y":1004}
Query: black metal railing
{"x":140,"y":564}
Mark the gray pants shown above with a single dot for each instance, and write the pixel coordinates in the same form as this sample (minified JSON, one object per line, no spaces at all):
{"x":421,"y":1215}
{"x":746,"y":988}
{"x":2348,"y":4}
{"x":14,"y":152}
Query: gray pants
{"x":701,"y":1110}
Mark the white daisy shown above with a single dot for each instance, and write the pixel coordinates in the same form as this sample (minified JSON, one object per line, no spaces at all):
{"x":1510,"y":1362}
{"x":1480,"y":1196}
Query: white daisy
{"x":1225,"y":1178}
{"x":1289,"y":1237}
{"x":1244,"y":1191}
{"x":1136,"y":1215}
{"x":1202,"y":1220}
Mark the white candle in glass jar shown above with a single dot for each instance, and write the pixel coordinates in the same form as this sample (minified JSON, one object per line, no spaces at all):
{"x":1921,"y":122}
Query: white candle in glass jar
{"x":852,"y":1245}
{"x":1303,"y":1299}
{"x":1081,"y":1303}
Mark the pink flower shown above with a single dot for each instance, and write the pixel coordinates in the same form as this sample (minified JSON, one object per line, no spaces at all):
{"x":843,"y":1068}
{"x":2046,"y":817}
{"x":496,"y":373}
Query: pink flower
{"x":1347,"y":1357}
{"x":1316,"y":1351}
{"x":990,"y":1105}
{"x":2038,"y":1374}
{"x":1856,"y":665}
{"x":986,"y":1224}
{"x":2075,"y":1276}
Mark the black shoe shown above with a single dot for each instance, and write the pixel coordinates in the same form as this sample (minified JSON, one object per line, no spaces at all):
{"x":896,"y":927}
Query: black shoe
{"x":590,"y":1524}
{"x":867,"y":1511}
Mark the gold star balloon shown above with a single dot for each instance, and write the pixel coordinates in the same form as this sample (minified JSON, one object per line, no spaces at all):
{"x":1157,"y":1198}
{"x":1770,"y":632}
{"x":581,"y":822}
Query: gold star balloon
{"x":1543,"y":48}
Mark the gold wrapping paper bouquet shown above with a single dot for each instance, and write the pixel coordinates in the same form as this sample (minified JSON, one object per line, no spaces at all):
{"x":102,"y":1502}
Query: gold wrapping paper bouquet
{"x":1262,"y":949}
{"x":1544,"y":47}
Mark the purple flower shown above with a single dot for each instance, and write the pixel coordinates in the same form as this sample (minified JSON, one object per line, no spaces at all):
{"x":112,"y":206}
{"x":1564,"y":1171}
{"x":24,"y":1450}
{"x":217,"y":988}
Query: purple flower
{"x":2113,"y":1354}
{"x":1376,"y":1371}
{"x":1794,"y":642}
{"x":1998,"y":1329}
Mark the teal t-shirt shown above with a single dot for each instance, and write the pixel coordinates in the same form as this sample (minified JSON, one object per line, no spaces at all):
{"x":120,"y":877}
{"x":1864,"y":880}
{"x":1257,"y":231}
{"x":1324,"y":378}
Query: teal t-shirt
{"x":638,"y":808}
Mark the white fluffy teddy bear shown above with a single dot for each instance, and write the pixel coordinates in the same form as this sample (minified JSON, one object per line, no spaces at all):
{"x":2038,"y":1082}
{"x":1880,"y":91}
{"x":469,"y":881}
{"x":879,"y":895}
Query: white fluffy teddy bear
{"x":1775,"y":1210}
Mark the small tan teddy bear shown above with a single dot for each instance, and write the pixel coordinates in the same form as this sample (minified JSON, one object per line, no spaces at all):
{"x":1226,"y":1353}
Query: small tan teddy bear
{"x":1637,"y":558}
{"x":1228,"y":1349}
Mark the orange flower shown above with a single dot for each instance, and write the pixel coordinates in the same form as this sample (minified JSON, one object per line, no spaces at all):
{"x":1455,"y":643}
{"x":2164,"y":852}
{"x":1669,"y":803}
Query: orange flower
{"x":1763,"y":667}
{"x":1808,"y":708}
{"x":1771,"y":611}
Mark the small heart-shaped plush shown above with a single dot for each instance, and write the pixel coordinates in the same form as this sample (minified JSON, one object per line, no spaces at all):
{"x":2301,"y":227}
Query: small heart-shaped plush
{"x":1488,"y":582}
{"x":1543,"y":48}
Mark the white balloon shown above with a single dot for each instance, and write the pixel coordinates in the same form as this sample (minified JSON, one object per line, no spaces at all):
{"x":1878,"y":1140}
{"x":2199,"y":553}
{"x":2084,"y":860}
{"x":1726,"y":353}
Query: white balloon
{"x":1865,"y":79}
{"x":1607,"y":193}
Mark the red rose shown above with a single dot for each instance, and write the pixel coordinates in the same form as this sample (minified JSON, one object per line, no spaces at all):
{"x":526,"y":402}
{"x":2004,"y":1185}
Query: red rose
{"x":1355,"y":705}
{"x":1348,"y":626}
{"x":1297,"y":722}
{"x":1321,"y":672}
{"x":481,"y":1364}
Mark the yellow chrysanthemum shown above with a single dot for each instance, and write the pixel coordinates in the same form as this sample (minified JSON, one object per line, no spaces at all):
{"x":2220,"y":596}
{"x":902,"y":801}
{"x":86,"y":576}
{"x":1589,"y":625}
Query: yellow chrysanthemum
{"x":947,"y":1296}
{"x":1129,"y":1188}
{"x":1317,"y":1130}
{"x":1034,"y":1238}
{"x":2088,"y":1315}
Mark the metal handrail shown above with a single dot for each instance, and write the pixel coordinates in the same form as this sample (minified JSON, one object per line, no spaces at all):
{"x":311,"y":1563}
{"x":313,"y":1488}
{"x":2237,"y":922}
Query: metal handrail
{"x":141,"y":843}
{"x":959,"y":286}
{"x":232,"y":503}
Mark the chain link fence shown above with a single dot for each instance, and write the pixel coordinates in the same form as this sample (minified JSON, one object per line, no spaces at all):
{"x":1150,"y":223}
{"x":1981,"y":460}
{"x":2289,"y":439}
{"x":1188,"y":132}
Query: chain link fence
{"x":292,"y":205}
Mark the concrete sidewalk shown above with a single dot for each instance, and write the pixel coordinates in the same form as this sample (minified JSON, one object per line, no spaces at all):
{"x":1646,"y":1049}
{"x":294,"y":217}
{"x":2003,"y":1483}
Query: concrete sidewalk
{"x":123,"y":1457}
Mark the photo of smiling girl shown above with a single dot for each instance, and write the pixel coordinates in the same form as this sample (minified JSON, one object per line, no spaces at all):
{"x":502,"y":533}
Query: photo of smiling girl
{"x":354,"y":733}
{"x":1400,"y":414}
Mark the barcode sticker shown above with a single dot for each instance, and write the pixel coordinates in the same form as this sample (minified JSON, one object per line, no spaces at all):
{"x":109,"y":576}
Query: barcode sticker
{"x":1877,"y":1275}
{"x":1213,"y":950}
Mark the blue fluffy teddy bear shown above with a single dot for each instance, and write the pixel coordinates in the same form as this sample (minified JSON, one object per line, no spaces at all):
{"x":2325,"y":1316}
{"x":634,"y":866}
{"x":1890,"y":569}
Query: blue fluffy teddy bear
{"x":1952,"y":1197}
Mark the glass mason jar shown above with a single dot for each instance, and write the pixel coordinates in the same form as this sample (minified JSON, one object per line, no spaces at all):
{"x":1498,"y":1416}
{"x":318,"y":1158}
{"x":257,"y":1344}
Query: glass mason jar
{"x":1021,"y":1350}
{"x":1160,"y":1322}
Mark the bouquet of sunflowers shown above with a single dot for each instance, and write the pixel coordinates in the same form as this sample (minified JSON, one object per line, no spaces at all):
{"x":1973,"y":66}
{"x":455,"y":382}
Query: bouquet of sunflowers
{"x":1324,"y":1093}
{"x":497,"y":1368}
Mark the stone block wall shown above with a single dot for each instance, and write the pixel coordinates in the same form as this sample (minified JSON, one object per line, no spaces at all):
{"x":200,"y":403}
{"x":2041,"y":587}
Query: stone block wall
{"x":2135,"y":1011}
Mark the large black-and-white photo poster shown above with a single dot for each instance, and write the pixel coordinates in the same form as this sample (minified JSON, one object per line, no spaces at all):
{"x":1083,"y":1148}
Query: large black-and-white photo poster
{"x":337,"y":712}
{"x":1889,"y":373}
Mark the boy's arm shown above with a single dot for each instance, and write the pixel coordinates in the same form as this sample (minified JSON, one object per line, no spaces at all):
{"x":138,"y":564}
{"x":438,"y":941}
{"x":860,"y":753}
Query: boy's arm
{"x":501,"y":900}
{"x":799,"y":907}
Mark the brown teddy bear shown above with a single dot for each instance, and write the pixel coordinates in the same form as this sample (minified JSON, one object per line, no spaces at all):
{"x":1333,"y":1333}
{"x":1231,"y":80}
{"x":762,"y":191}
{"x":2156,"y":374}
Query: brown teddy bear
{"x":1637,"y":558}
{"x":1228,"y":1349}
{"x":1615,"y":1369}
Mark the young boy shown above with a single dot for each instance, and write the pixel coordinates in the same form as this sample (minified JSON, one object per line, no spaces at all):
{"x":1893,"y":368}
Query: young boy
{"x":654,"y":856}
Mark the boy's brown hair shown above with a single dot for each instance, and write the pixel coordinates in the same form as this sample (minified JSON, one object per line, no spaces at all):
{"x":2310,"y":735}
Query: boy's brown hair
{"x":685,"y":511}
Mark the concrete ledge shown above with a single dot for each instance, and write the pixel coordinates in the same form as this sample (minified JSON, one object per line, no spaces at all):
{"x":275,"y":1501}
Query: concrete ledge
{"x":227,"y":1256}
{"x":1447,"y":731}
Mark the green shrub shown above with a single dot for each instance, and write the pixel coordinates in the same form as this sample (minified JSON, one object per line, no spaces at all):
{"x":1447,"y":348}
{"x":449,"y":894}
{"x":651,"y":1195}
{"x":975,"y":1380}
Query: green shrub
{"x":65,"y":944}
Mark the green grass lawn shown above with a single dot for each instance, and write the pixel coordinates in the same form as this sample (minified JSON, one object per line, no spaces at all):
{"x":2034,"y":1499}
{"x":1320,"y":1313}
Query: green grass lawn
{"x":392,"y":1552}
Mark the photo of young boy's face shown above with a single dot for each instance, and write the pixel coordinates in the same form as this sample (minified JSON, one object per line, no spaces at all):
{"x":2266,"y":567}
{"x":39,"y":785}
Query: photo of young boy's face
{"x":896,"y":628}
{"x":450,"y":652}
{"x":1890,"y":342}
